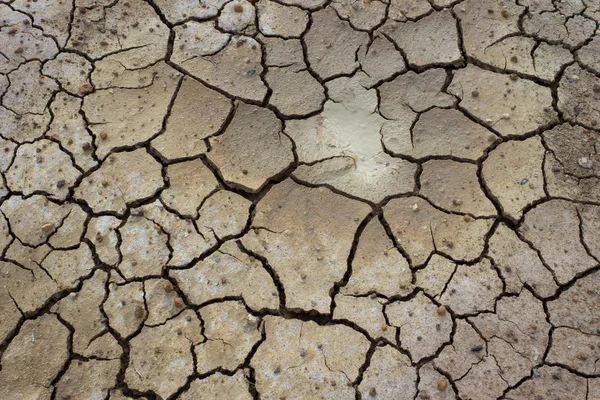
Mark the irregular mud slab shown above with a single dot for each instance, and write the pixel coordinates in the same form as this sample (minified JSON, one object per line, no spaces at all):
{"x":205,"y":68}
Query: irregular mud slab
{"x":197,"y":113}
{"x":434,"y":385}
{"x":295,"y":93}
{"x":430,"y":41}
{"x":228,"y":69}
{"x":161,"y":302}
{"x":423,"y":326}
{"x":42,"y":167}
{"x":574,"y":350}
{"x":10,"y":314}
{"x":217,"y":386}
{"x":331,"y":45}
{"x":70,"y":129}
{"x":155,"y":347}
{"x":34,"y":358}
{"x":229,"y":273}
{"x":238,"y":17}
{"x":91,"y":379}
{"x":29,"y":91}
{"x":576,"y":307}
{"x":70,"y":70}
{"x":421,"y":229}
{"x":455,"y":187}
{"x":367,"y":313}
{"x":389,"y":376}
{"x":275,"y":19}
{"x":82,"y":310}
{"x":308,"y":359}
{"x":176,"y":11}
{"x":102,"y":232}
{"x":575,"y":148}
{"x":143,"y":248}
{"x":362,"y":15}
{"x":578,"y":94}
{"x":589,"y":216}
{"x":23,"y":128}
{"x":230,"y":333}
{"x":517,"y":335}
{"x":128,"y":32}
{"x":414,"y":92}
{"x":513,"y":174}
{"x":473,"y":288}
{"x":128,"y":116}
{"x":185,"y":243}
{"x":378,"y":267}
{"x":519,"y":264}
{"x":550,"y":381}
{"x":124,"y":308}
{"x":348,"y":153}
{"x":402,"y":10}
{"x":252,"y":150}
{"x":561,"y":184}
{"x":587,"y":55}
{"x":30,"y":288}
{"x":560,"y":249}
{"x":293,"y":220}
{"x":486,"y":371}
{"x":524,"y":106}
{"x":225,"y":214}
{"x":33,"y":219}
{"x":555,"y":27}
{"x":379,"y":61}
{"x":190,"y":183}
{"x":123,"y":179}
{"x":467,"y":349}
{"x":443,"y":132}
{"x":434,"y":277}
{"x":21,"y":41}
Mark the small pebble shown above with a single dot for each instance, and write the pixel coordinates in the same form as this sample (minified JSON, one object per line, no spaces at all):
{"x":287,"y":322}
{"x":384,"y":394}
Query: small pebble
{"x":585,"y":162}
{"x":475,"y":93}
{"x":524,"y":181}
{"x":179,"y":302}
{"x":442,"y":383}
{"x":47,"y":227}
{"x":168,"y":286}
{"x":238,"y":8}
{"x":86,"y":88}
{"x":415,"y":207}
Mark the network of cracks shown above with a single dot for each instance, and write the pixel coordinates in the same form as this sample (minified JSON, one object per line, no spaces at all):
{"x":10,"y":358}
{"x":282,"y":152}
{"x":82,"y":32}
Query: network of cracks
{"x":300,"y":199}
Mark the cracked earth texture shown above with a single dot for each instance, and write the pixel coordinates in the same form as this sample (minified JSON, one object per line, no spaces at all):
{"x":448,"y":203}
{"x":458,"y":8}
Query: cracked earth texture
{"x":299,"y":199}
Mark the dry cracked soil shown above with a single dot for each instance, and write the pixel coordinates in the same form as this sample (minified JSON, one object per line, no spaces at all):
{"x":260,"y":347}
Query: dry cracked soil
{"x":299,"y":199}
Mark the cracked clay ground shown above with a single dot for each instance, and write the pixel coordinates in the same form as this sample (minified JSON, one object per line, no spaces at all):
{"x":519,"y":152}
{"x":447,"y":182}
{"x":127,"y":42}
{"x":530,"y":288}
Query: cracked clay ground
{"x":300,"y":199}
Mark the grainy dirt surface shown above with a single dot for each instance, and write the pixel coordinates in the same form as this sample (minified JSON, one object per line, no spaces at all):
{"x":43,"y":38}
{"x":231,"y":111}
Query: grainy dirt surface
{"x":299,"y":199}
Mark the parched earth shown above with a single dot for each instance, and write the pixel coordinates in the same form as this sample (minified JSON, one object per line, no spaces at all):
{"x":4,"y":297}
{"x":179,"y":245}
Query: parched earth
{"x":300,"y":199}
